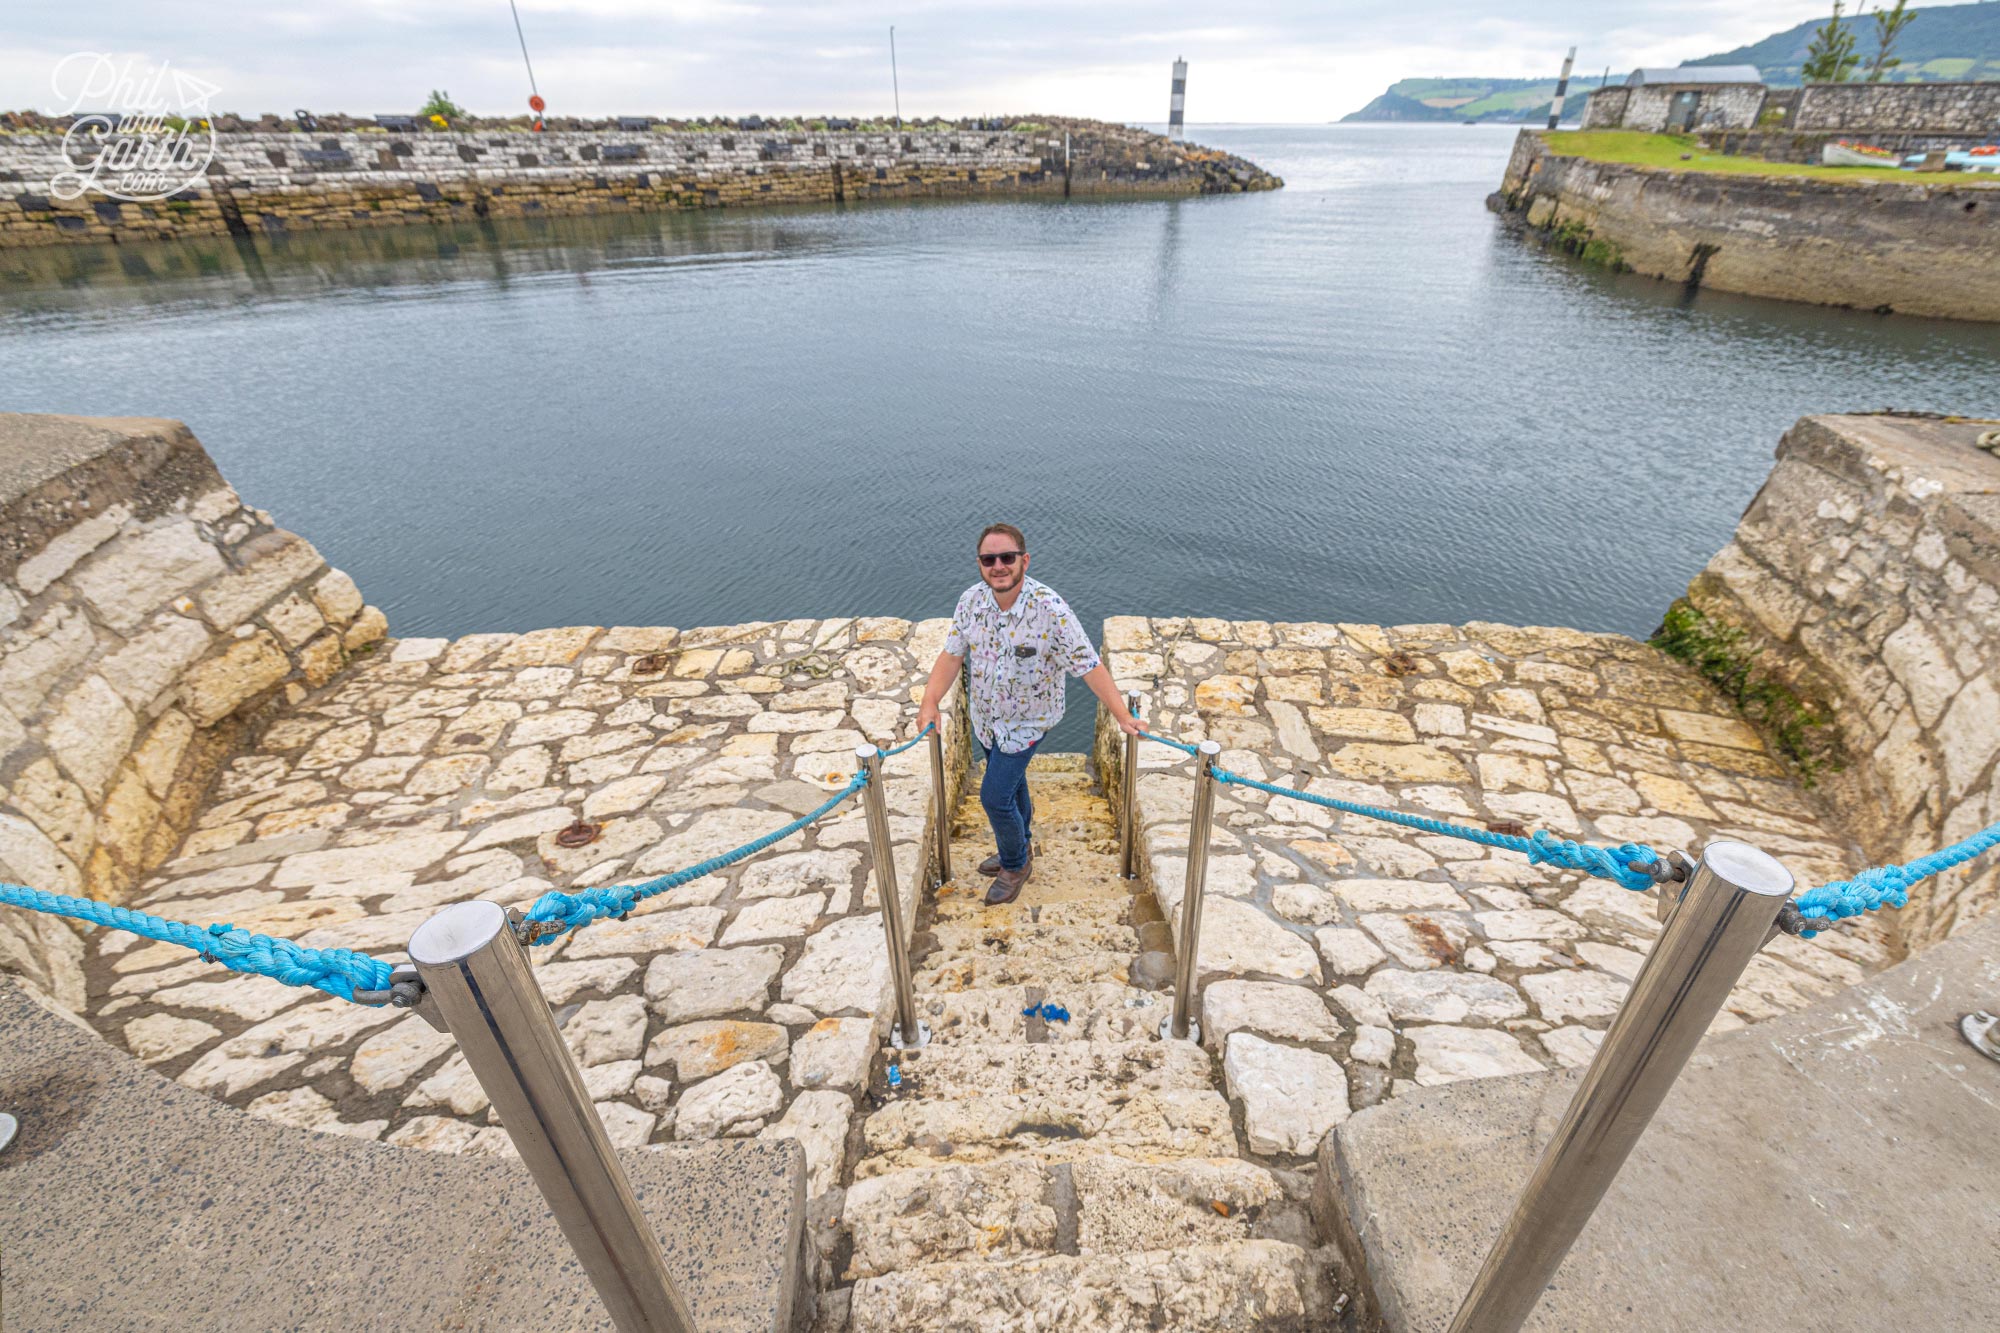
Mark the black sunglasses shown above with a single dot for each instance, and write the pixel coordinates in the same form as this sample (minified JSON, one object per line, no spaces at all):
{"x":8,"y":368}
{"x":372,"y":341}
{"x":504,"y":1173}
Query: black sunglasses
{"x":1001,"y":558}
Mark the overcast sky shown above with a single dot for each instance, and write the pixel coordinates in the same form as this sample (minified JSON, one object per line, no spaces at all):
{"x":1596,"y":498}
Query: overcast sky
{"x":1250,"y":60}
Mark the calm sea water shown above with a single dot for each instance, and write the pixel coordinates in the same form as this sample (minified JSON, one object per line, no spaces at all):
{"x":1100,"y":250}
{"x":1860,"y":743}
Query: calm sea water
{"x":1352,"y":399}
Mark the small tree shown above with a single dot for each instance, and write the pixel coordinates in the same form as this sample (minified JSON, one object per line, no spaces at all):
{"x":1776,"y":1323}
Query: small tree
{"x":1831,"y":57}
{"x":1889,"y":25}
{"x":443,"y":107}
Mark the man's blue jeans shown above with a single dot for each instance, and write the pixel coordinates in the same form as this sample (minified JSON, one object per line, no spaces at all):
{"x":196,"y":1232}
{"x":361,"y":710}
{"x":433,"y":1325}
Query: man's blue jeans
{"x":1004,"y":793}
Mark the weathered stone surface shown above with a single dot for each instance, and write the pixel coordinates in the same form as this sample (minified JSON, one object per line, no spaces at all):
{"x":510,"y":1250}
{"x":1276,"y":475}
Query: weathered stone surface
{"x":818,"y":1120}
{"x":845,"y":968}
{"x":1444,"y":997}
{"x":703,"y":1049}
{"x":736,"y":1101}
{"x":1238,"y":938}
{"x":707,"y":982}
{"x":926,"y":1215}
{"x":1290,"y":1097}
{"x":834,"y":1054}
{"x":1447,"y":1054}
{"x":607,"y":1030}
{"x":1267,"y":1008}
{"x":1562,"y":996}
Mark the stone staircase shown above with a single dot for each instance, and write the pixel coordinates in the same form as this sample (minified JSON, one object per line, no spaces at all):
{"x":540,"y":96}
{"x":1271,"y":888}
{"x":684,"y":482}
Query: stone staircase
{"x":1079,"y":1174}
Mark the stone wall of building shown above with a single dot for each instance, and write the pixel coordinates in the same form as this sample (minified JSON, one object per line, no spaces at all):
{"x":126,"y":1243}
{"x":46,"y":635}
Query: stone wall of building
{"x":1605,"y":108}
{"x":1866,"y":575}
{"x":1918,"y":108}
{"x":1924,"y":247}
{"x":273,"y":182}
{"x":1723,"y":106}
{"x":147,"y":616}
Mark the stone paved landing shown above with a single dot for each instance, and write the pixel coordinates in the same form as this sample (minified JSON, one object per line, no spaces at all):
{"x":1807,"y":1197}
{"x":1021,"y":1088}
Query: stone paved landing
{"x":742,"y":1004}
{"x":1441,"y":959}
{"x":1079,"y":1174}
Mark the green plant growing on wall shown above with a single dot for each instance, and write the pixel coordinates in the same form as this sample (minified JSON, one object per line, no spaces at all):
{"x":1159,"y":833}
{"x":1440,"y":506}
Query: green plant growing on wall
{"x":1889,"y":25}
{"x":1801,"y":730}
{"x":1831,"y":57}
{"x":440,"y":105}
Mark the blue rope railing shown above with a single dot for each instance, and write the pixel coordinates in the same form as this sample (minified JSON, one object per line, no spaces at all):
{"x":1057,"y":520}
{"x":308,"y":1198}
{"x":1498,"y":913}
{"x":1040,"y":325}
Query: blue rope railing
{"x":1873,"y":888}
{"x":929,"y":727}
{"x":1888,"y":885}
{"x":342,"y":972}
{"x":336,"y":971}
{"x":556,"y":912}
{"x":1541,"y":847}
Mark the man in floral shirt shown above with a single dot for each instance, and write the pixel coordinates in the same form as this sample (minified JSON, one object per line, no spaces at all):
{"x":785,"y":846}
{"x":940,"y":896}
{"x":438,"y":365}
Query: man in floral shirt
{"x":1021,"y":638}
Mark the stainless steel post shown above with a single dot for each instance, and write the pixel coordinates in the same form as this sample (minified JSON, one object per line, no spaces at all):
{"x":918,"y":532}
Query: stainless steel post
{"x":1128,"y":818}
{"x":1725,"y":913}
{"x":1182,"y":1023}
{"x":478,"y":974}
{"x":910,"y":1032}
{"x":941,"y":800}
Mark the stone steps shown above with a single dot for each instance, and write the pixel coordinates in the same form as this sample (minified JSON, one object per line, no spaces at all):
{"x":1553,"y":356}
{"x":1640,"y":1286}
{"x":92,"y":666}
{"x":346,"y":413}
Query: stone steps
{"x":962,"y":908}
{"x":1265,"y":1285}
{"x":1053,"y":1126}
{"x":1051,"y":935}
{"x":1021,"y":1208}
{"x":1098,"y":1011}
{"x":1054,"y":972}
{"x":940,"y":1072}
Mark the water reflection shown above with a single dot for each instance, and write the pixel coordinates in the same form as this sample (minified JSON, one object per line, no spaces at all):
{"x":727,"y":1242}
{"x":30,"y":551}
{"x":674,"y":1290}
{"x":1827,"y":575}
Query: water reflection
{"x":1353,"y":399}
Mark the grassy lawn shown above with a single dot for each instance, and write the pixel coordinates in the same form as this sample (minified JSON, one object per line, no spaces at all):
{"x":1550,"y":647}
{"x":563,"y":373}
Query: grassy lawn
{"x":1664,"y":150}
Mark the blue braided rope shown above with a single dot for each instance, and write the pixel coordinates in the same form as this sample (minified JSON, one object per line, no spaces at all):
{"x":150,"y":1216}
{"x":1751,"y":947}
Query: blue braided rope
{"x":336,"y":971}
{"x":556,"y":912}
{"x":929,"y":727}
{"x":1183,"y":748}
{"x":1543,"y":848}
{"x":1889,"y":884}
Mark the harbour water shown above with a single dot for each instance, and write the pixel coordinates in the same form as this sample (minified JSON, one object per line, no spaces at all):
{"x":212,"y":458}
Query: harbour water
{"x":1351,"y":399}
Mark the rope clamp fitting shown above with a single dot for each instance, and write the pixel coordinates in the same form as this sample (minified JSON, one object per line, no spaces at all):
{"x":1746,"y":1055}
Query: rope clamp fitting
{"x":406,"y":990}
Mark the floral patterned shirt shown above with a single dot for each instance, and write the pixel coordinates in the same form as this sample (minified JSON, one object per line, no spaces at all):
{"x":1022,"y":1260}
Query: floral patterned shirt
{"x":1017,"y":658}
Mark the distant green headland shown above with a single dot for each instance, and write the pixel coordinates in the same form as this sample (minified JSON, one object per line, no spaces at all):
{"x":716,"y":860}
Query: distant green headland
{"x":1943,"y":44}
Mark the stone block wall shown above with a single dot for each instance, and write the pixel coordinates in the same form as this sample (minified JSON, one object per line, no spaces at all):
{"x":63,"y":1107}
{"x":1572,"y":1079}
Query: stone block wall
{"x":146,"y":616}
{"x":1723,"y":106}
{"x":1923,"y":247}
{"x":1605,"y":109}
{"x":1866,"y":574}
{"x":1935,"y":108}
{"x":268,"y":182}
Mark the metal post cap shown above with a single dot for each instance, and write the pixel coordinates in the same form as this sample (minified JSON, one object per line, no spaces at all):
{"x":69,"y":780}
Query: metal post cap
{"x":456,"y":932}
{"x":1210,"y":748}
{"x":1748,"y":868}
{"x":866,"y":752}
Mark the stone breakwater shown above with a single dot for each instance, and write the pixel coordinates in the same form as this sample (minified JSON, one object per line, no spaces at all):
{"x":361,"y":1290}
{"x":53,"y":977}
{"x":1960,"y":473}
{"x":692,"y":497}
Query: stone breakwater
{"x":1865,"y":576}
{"x":269,"y":182}
{"x":1921,"y":248}
{"x":332,"y":786}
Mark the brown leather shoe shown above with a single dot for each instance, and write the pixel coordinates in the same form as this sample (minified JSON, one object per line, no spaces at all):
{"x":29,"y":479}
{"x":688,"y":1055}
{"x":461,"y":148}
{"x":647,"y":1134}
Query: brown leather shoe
{"x":990,"y":866}
{"x":1007,"y":884}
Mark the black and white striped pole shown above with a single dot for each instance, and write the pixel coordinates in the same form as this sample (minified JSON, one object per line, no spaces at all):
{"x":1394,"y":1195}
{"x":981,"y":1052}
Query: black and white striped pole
{"x":1562,"y":89}
{"x":1177,"y":109}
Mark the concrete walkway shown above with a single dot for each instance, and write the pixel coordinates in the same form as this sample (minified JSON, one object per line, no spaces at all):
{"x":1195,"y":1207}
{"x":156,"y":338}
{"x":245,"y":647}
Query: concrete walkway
{"x":130,"y":1202}
{"x":1828,"y":1170}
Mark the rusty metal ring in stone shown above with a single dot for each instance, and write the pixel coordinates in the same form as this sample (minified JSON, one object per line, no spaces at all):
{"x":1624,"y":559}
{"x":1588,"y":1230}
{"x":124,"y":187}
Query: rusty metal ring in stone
{"x":580,"y":834}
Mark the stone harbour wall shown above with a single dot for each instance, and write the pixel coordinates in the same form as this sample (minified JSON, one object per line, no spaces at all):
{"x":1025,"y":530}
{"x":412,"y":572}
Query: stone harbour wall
{"x":1866,"y":576}
{"x":1918,"y":108}
{"x":272,"y":182}
{"x":147,"y":618}
{"x":1358,"y":958}
{"x":1922,"y":248}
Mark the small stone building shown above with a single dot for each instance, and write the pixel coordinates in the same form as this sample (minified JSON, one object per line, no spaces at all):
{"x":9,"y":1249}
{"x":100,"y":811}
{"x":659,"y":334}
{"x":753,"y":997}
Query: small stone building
{"x":1677,"y":101}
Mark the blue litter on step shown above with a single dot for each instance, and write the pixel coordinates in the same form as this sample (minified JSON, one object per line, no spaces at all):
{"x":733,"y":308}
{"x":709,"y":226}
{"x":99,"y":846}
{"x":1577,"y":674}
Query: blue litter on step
{"x":895,"y":1076}
{"x":1051,"y":1013}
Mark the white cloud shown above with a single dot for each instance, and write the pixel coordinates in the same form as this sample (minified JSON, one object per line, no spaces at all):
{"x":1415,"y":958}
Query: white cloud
{"x":1282,"y":60}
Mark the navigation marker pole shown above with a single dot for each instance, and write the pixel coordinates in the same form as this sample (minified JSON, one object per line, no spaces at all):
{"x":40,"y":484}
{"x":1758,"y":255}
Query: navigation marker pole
{"x":535,"y":102}
{"x":895,"y":83}
{"x":1178,"y":107}
{"x":1562,"y":89}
